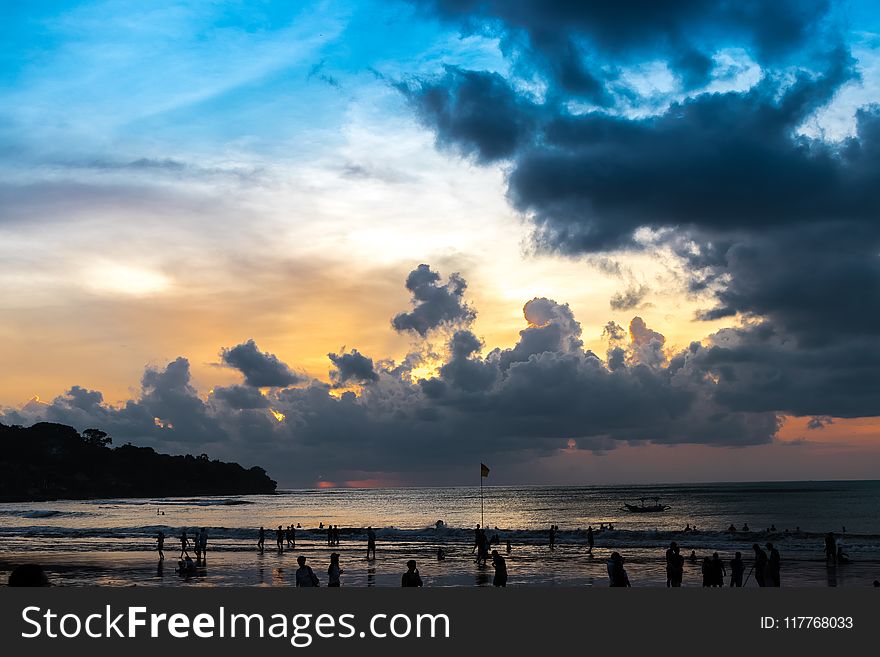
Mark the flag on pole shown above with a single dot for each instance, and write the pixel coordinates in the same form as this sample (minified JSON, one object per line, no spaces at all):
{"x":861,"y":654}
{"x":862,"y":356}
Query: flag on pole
{"x":484,"y":470}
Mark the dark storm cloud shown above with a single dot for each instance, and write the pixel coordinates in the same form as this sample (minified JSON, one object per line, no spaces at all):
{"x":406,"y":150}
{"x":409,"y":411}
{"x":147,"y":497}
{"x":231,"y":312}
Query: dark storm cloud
{"x":168,"y":410}
{"x":260,"y":369}
{"x":352,"y":367}
{"x":455,"y":107}
{"x":240,"y":397}
{"x":777,"y":229}
{"x":434,"y":305}
{"x":579,"y":44}
{"x":630,"y":298}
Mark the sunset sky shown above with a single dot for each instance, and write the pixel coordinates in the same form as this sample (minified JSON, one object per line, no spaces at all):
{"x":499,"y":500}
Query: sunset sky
{"x":376,"y":243}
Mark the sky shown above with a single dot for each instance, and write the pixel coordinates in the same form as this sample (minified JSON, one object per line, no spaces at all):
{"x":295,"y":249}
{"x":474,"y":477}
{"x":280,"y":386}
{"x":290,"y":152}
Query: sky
{"x":377,"y":243}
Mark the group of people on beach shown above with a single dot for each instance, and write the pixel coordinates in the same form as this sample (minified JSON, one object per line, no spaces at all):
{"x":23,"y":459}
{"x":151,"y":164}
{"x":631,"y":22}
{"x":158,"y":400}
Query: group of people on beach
{"x":766,"y":566}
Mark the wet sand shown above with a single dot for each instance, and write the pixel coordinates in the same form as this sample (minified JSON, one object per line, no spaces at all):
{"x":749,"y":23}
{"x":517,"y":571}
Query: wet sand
{"x":527,"y":566}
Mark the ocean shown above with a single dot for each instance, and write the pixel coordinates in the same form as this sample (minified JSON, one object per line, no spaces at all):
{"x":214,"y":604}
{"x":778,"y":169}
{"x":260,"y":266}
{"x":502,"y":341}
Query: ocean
{"x":113,"y":542}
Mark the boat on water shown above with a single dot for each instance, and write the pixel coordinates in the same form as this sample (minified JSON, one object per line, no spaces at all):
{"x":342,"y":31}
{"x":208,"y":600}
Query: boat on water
{"x":642,"y":507}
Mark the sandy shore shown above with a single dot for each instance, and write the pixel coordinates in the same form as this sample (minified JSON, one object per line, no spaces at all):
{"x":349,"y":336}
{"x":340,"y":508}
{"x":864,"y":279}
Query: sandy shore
{"x":527,"y":565}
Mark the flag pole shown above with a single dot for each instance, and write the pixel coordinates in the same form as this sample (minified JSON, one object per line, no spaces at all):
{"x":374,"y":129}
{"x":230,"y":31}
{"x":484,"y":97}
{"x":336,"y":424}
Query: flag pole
{"x":482,"y":522}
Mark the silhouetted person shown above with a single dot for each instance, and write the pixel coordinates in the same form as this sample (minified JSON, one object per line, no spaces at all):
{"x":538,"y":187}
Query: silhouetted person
{"x":590,"y":539}
{"x":334,"y":571}
{"x":441,"y":555}
{"x":760,"y":566}
{"x":411,"y":577}
{"x":718,"y":570}
{"x":552,"y":536}
{"x":745,"y":526}
{"x":184,"y":541}
{"x":261,"y":539}
{"x":482,"y":546}
{"x":279,"y":538}
{"x":830,"y":548}
{"x":773,"y":566}
{"x":203,"y":541}
{"x":371,"y":543}
{"x":706,"y":570}
{"x":669,"y":555}
{"x":160,"y":544}
{"x":288,"y":537}
{"x":500,"y":565}
{"x":876,"y":584}
{"x":616,"y":572}
{"x":732,"y":529}
{"x":737,"y":567}
{"x":693,"y":557}
{"x":304,"y":574}
{"x":29,"y":574}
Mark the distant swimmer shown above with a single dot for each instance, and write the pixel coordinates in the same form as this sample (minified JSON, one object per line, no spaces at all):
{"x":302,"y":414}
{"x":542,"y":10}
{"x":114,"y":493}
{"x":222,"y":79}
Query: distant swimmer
{"x":772,"y":528}
{"x":616,"y":572}
{"x":439,"y":524}
{"x":745,"y":527}
{"x":732,"y":529}
{"x":411,"y":577}
{"x":687,"y":527}
{"x":334,"y":571}
{"x":371,"y":543}
{"x":160,"y":544}
{"x":590,"y":540}
{"x":737,"y":567}
{"x":500,"y":565}
{"x":693,"y":557}
{"x":305,"y":576}
{"x":261,"y":539}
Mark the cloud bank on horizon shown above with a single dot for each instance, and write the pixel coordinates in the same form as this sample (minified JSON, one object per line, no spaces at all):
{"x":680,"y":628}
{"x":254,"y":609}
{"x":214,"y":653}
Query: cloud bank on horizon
{"x":513,"y":403}
{"x":736,"y":142}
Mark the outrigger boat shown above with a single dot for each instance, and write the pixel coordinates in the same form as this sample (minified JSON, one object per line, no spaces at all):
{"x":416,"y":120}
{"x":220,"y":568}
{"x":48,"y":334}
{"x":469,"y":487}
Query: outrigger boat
{"x":641,"y":507}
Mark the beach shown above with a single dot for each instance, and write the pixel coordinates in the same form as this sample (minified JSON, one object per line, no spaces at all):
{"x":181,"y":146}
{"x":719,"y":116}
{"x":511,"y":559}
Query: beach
{"x":113,"y":542}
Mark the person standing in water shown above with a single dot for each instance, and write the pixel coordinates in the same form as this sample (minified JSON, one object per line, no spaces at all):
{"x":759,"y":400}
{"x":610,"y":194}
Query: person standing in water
{"x":500,"y":565}
{"x":616,"y":572}
{"x":160,"y":544}
{"x":371,"y":543}
{"x":590,"y":539}
{"x":279,"y":538}
{"x":737,"y":567}
{"x":552,"y":537}
{"x":261,"y":539}
{"x":719,"y":572}
{"x":305,"y":576}
{"x":184,"y":542}
{"x":411,"y":577}
{"x":334,"y":571}
{"x":760,"y":566}
{"x":203,"y":540}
